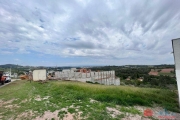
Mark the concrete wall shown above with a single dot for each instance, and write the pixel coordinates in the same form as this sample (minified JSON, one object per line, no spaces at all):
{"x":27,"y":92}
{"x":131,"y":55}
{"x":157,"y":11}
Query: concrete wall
{"x":176,"y":50}
{"x":176,"y":45}
{"x":104,"y":77}
{"x":39,"y":75}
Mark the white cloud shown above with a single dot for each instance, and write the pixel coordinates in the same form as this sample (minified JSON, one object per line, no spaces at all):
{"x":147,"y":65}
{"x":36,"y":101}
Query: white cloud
{"x":107,"y":29}
{"x":16,"y":59}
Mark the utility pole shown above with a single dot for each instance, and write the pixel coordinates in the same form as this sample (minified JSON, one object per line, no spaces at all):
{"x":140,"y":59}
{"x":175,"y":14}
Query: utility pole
{"x":10,"y":72}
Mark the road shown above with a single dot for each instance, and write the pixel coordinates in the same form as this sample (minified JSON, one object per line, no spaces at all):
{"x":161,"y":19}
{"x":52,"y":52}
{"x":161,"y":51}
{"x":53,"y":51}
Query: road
{"x":12,"y":80}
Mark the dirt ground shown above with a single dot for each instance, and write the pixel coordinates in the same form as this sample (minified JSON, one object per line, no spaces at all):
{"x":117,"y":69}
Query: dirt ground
{"x":153,"y":73}
{"x":157,"y":113}
{"x":168,"y":70}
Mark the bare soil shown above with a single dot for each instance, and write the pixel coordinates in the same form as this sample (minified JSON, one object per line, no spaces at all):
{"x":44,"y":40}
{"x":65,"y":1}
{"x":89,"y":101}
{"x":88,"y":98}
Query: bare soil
{"x":153,"y":73}
{"x":168,"y":70}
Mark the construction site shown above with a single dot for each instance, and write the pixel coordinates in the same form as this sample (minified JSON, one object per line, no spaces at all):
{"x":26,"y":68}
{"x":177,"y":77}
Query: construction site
{"x":86,"y":75}
{"x":73,"y":74}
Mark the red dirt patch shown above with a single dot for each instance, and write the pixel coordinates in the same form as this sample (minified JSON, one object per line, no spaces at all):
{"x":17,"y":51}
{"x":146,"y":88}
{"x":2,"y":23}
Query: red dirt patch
{"x":154,"y":70}
{"x":153,"y":73}
{"x":168,"y":70}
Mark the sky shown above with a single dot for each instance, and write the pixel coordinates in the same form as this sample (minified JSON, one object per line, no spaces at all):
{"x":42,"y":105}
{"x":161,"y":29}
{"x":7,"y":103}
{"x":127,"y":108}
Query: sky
{"x":88,"y":32}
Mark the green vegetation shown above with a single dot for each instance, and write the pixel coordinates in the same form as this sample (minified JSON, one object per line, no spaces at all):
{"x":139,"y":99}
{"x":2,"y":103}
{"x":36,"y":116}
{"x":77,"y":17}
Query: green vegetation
{"x":135,"y":72}
{"x":150,"y":81}
{"x":166,"y":74}
{"x":74,"y":97}
{"x":130,"y":110}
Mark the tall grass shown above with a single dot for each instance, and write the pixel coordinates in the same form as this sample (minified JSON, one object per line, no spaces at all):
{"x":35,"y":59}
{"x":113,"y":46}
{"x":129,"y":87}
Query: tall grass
{"x":63,"y":94}
{"x":121,"y":95}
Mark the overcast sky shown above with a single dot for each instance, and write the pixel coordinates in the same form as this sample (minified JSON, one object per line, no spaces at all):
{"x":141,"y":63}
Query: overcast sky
{"x":88,"y":32}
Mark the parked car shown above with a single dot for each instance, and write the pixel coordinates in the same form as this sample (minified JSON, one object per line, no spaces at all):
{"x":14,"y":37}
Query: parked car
{"x":7,"y":77}
{"x":4,"y":77}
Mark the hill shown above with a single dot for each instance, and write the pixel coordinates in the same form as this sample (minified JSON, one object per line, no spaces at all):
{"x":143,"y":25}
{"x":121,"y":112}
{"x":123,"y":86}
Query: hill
{"x":9,"y":66}
{"x":75,"y":100}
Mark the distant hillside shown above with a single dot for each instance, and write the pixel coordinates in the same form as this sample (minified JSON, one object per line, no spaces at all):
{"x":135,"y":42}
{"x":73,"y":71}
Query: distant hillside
{"x":9,"y":66}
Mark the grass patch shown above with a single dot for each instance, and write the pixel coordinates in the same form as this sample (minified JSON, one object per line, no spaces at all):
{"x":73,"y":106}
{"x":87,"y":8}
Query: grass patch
{"x":63,"y":94}
{"x":131,"y":110}
{"x":71,"y":110}
{"x":168,"y":74}
{"x":61,"y":114}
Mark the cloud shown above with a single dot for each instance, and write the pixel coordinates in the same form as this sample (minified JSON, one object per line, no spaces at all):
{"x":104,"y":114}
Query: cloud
{"x":16,"y":59}
{"x":113,"y":30}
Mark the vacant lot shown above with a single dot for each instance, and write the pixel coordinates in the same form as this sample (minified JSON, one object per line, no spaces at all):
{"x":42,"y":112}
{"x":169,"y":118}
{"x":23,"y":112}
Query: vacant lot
{"x":153,"y":73}
{"x":74,"y":100}
{"x":167,"y":70}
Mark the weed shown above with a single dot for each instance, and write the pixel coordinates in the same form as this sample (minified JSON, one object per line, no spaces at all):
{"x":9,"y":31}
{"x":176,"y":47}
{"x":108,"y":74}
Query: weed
{"x":61,"y":114}
{"x":130,"y":110}
{"x":120,"y":116}
{"x":71,"y":110}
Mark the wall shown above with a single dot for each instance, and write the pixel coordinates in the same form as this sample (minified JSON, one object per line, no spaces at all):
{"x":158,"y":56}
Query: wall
{"x":103,"y":77}
{"x":176,"y":45}
{"x":39,"y":75}
{"x":176,"y":50}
